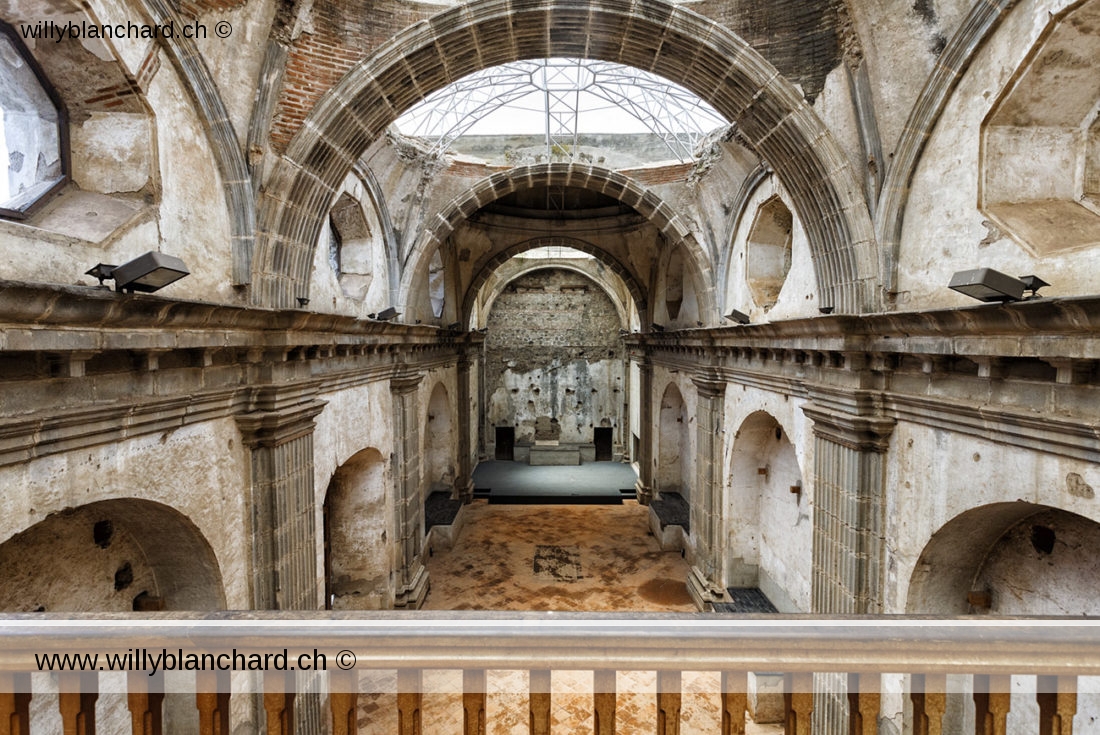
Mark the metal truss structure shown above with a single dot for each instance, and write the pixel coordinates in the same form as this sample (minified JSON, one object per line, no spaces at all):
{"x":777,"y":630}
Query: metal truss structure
{"x":573,"y":97}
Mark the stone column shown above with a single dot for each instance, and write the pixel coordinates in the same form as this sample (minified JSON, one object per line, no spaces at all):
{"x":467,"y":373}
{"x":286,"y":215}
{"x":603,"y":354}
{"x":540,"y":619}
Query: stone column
{"x":284,"y":557}
{"x":410,"y":574}
{"x":705,"y":581}
{"x":464,"y":481}
{"x":646,"y":453}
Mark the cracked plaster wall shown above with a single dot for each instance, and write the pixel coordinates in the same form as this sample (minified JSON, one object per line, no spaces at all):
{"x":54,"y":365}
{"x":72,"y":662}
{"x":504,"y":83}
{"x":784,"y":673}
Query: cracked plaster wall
{"x":553,"y":350}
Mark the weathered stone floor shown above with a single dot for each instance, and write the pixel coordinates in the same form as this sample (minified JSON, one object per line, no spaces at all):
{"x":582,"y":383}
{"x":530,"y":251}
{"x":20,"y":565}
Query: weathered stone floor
{"x":588,"y":558}
{"x":594,"y":558}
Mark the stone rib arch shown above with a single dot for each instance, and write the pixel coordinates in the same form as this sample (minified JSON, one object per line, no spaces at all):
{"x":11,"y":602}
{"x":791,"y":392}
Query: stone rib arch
{"x":582,"y":176}
{"x":772,"y":117}
{"x":484,"y":271}
{"x":497,"y":275}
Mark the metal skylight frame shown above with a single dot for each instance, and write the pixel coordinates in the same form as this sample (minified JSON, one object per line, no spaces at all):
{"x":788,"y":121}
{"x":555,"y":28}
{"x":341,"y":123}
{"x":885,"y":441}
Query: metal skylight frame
{"x":565,"y":91}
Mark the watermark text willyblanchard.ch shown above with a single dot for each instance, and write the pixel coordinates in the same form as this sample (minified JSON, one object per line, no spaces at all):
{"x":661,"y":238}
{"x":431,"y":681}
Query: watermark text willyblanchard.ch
{"x":49,"y":30}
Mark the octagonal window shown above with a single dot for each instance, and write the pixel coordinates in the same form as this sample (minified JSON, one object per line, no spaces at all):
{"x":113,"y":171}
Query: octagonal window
{"x":33,"y":133}
{"x":769,"y":252}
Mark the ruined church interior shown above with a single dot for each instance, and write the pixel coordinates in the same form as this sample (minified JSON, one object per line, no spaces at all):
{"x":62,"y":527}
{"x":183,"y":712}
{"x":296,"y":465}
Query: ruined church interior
{"x":708,"y":307}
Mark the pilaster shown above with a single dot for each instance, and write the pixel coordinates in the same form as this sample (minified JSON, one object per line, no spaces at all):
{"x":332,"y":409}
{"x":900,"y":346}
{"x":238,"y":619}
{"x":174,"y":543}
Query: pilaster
{"x":850,"y":441}
{"x":645,"y":459}
{"x":411,"y":575}
{"x":284,"y":548}
{"x":464,"y":482}
{"x":705,"y":580}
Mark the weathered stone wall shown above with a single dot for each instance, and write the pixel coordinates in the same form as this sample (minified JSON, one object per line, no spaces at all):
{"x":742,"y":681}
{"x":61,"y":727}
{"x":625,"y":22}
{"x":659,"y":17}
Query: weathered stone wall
{"x":553,"y":350}
{"x":200,"y":472}
{"x":945,"y":231}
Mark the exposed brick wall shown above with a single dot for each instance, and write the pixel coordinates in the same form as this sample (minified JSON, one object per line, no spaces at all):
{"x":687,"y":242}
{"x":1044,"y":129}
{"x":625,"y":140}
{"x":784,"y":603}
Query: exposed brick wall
{"x":654,"y":175}
{"x":342,"y":35}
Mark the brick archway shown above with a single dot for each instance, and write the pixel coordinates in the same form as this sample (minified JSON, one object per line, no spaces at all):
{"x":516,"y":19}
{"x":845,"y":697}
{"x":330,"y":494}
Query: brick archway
{"x":771,"y":115}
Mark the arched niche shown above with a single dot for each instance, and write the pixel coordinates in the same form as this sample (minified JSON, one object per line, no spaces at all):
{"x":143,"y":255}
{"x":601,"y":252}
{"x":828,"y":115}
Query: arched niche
{"x":674,"y":465}
{"x":114,"y":555}
{"x":357,"y":530}
{"x":439,"y":442}
{"x":1014,"y":558}
{"x":768,"y":520}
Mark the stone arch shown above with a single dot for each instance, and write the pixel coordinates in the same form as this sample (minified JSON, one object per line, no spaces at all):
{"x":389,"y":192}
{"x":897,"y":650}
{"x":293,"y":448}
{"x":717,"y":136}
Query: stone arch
{"x":983,"y":549}
{"x":112,"y":555}
{"x":771,"y":115}
{"x":356,"y":531}
{"x":484,"y":271}
{"x":673,"y":467}
{"x":769,"y":532}
{"x":440,"y":448}
{"x":609,"y":183}
{"x":506,"y":276}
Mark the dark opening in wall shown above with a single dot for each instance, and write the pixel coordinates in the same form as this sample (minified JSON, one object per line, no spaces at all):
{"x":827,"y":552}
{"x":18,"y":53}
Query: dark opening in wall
{"x":1042,"y":538}
{"x":505,"y":443}
{"x":124,"y":577}
{"x":102,"y":532}
{"x":603,"y":438}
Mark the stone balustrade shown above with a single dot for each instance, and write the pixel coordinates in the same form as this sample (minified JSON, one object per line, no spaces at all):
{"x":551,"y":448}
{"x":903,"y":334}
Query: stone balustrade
{"x":911,"y":657}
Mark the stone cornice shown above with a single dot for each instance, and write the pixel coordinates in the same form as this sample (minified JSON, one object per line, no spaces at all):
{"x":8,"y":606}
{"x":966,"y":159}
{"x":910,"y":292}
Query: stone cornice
{"x":1033,"y":328}
{"x":276,"y":427}
{"x":100,"y":319}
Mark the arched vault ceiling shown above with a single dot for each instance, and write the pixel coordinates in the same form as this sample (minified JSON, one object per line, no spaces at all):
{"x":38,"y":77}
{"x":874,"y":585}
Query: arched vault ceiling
{"x":610,"y":183}
{"x":673,"y":42}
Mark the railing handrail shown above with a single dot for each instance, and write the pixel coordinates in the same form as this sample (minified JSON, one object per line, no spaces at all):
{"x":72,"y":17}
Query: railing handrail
{"x":662,"y":642}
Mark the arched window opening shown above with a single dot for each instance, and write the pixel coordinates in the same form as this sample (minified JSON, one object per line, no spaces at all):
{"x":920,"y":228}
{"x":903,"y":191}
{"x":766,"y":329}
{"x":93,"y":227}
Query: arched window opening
{"x":33,"y":130}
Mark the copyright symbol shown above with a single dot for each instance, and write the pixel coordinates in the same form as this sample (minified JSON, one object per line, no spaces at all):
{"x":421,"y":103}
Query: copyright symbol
{"x":345,"y":660}
{"x":223,"y":29}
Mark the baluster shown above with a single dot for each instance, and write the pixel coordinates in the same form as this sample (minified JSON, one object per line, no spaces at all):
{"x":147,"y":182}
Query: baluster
{"x":473,"y":702}
{"x":735,"y":702}
{"x":540,"y":702}
{"x":343,"y":699}
{"x":929,"y":695}
{"x":668,"y":702}
{"x":409,"y":701}
{"x":145,"y":699}
{"x":15,"y":702}
{"x":1057,"y":697}
{"x":992,"y":699}
{"x":864,"y":703}
{"x":212,"y":692}
{"x":798,"y":703}
{"x":604,"y":697}
{"x":77,"y":694}
{"x":279,"y":702}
